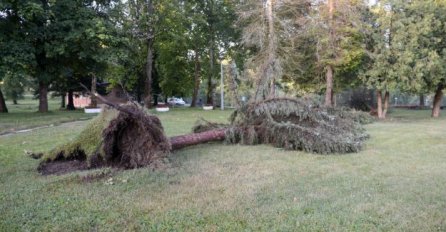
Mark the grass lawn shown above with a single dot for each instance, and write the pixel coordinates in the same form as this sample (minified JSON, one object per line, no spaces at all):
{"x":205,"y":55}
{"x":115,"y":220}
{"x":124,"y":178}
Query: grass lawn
{"x":24,"y":115}
{"x":397,"y":183}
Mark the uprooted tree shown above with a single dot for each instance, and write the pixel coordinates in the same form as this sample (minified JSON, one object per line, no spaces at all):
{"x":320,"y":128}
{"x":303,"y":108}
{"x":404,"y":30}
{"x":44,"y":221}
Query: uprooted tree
{"x":128,"y":136}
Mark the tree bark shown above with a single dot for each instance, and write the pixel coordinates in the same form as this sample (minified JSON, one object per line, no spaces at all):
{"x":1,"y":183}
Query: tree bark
{"x":14,"y":101}
{"x":43,"y":97}
{"x":70,"y":105}
{"x":197,"y":79}
{"x":379,"y":104}
{"x":233,"y":85}
{"x":266,"y":82}
{"x":436,"y":109}
{"x":94,"y":101}
{"x":210,"y":90}
{"x":329,"y":68}
{"x":3,"y":108}
{"x":329,"y":86}
{"x":181,"y":141}
{"x":271,"y":47}
{"x":421,"y":105}
{"x":149,"y":59}
{"x":386,"y":104}
{"x":62,"y":101}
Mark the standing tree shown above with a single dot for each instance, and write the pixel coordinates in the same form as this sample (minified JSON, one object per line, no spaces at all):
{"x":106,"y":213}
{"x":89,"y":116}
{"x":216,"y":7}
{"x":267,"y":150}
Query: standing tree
{"x":422,"y":43}
{"x":219,"y":19}
{"x":55,"y":36}
{"x":16,"y":53}
{"x":382,"y":72}
{"x":337,"y":26}
{"x":270,"y":31}
{"x":14,"y":87}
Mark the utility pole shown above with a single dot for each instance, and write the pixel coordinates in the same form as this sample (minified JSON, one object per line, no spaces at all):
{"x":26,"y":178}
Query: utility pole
{"x":222,"y":96}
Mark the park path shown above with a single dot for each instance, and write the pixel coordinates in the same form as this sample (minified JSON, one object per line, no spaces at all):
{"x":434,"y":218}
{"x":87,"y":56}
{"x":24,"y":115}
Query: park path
{"x":65,"y":124}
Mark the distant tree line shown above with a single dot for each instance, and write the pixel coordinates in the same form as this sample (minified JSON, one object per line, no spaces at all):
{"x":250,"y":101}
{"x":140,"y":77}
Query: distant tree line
{"x":174,"y":47}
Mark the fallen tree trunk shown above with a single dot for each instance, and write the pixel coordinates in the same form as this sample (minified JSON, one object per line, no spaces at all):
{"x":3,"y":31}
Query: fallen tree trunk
{"x":178,"y":142}
{"x":126,"y":136}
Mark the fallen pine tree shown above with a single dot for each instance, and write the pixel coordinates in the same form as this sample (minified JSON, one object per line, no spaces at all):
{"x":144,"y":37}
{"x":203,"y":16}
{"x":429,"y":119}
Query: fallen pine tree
{"x":127,"y":136}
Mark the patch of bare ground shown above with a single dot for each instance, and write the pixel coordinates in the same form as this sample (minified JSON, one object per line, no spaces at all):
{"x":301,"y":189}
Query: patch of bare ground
{"x":62,"y":167}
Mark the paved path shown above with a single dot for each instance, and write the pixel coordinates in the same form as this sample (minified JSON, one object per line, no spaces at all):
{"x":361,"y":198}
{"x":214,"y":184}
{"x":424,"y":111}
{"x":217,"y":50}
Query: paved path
{"x":65,"y":124}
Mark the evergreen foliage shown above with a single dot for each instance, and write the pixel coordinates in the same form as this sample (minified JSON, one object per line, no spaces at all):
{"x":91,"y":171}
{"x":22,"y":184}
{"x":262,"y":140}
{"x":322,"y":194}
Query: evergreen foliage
{"x":203,"y":125}
{"x":297,"y":124}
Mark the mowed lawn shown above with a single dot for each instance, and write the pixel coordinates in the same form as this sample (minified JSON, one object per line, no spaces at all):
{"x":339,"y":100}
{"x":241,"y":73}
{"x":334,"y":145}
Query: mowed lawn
{"x":24,"y":115}
{"x":397,"y":183}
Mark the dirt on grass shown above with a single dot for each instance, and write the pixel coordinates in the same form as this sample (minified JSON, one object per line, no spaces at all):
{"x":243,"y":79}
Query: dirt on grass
{"x":60,"y":167}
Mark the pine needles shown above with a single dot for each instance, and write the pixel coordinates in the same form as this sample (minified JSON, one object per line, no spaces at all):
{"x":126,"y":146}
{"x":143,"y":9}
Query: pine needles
{"x":296,"y":124}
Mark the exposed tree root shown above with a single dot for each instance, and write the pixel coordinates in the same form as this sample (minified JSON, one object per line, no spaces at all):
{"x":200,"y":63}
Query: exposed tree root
{"x":132,"y":138}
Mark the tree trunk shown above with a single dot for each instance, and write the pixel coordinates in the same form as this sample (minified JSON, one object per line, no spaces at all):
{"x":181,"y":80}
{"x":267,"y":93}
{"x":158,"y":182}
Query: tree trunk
{"x":329,"y":87}
{"x":329,"y":68}
{"x":149,"y":60}
{"x":155,"y":99}
{"x":379,"y":104}
{"x":94,"y":101}
{"x":233,"y":85}
{"x":197,"y":80}
{"x":14,"y":101}
{"x":43,"y":97}
{"x":181,"y":141}
{"x":70,"y":105}
{"x":62,"y":101}
{"x":386,"y":104}
{"x":266,"y":82}
{"x":3,"y":108}
{"x":271,"y":47}
{"x":210,"y":90}
{"x":421,"y":105}
{"x":436,"y":109}
{"x":333,"y":99}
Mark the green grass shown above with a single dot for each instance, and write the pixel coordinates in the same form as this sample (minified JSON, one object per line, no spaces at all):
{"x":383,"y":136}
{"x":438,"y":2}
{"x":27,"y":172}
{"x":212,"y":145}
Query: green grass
{"x":24,"y":115}
{"x":396,"y":184}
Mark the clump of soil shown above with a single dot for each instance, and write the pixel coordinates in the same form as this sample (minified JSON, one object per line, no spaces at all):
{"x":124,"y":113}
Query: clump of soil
{"x":132,"y":141}
{"x":128,"y":138}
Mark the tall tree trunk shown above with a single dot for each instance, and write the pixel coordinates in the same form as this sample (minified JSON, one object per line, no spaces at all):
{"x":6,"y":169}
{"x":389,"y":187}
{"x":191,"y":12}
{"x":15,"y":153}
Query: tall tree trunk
{"x":43,"y":97}
{"x":70,"y":105}
{"x":386,"y":103}
{"x":62,"y":101}
{"x":233,"y":85}
{"x":14,"y":101}
{"x":333,"y":99}
{"x":94,"y":101}
{"x":3,"y":108}
{"x":379,"y":104}
{"x":436,"y":109}
{"x":329,"y":87}
{"x":271,"y":46}
{"x":149,"y":60}
{"x":421,"y":105}
{"x":181,"y":141}
{"x":329,"y":68}
{"x":266,"y":82}
{"x":210,"y":90}
{"x":197,"y":79}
